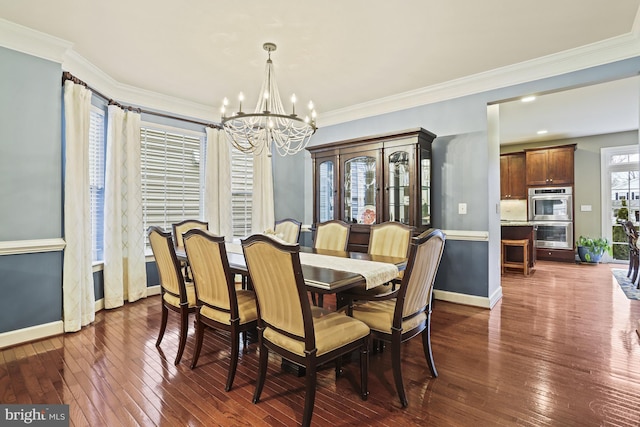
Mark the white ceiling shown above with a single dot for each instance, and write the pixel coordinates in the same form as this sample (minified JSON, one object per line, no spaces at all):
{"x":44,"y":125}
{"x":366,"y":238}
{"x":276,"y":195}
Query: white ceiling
{"x":592,"y":110}
{"x":339,"y":54}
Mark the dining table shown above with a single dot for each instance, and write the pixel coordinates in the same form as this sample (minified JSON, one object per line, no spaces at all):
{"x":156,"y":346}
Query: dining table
{"x":326,"y":271}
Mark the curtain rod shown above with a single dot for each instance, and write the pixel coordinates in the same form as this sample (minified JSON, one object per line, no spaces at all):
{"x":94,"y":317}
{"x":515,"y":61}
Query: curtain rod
{"x":68,"y":76}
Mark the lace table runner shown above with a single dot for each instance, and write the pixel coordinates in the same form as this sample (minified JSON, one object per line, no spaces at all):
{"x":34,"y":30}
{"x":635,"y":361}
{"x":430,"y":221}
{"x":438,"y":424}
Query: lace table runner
{"x":374,"y":273}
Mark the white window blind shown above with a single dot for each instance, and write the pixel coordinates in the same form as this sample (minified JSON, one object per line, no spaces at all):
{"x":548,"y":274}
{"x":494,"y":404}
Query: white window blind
{"x":172,"y":176}
{"x":96,"y":181}
{"x":241,"y":192}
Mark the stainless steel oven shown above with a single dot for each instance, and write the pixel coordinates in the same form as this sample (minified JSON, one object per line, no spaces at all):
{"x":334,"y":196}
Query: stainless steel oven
{"x":550,"y":204}
{"x":554,"y":235}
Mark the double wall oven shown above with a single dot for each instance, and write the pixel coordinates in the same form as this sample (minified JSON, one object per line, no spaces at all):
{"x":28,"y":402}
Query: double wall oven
{"x":551,"y":210}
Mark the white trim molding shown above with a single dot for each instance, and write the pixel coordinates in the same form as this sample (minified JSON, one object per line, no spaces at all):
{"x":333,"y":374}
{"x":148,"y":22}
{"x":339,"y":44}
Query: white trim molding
{"x":32,"y":333}
{"x":469,"y":235}
{"x":473,"y":300}
{"x":16,"y":247}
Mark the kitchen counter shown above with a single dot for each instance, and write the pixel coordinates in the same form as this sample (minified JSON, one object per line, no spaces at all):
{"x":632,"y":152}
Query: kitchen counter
{"x":509,"y":223}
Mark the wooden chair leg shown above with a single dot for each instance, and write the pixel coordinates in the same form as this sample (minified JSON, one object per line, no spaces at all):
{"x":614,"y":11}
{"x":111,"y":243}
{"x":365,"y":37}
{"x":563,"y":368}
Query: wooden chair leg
{"x":199,"y":338}
{"x":262,"y":370}
{"x":396,"y":364}
{"x":163,"y":325}
{"x":310,"y":390}
{"x":426,"y":347}
{"x":364,"y":369}
{"x":233,"y":362}
{"x":184,"y":325}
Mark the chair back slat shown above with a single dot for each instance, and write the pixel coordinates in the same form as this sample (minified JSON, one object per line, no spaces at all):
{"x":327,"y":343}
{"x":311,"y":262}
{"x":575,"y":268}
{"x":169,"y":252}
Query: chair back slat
{"x":209,"y":266}
{"x":288,"y":230}
{"x":390,"y":239}
{"x":182,"y":227}
{"x":276,"y":276}
{"x":417,"y":286}
{"x":332,"y":235}
{"x":171,"y":279}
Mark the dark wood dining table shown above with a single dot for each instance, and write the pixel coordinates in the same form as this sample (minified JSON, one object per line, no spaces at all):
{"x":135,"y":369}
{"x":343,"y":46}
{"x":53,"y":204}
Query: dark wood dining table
{"x":318,"y":279}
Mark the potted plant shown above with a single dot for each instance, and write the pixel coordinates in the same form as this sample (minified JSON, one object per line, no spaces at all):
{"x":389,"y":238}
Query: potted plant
{"x":591,"y":250}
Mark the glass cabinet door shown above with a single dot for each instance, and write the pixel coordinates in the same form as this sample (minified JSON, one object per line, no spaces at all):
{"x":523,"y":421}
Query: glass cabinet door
{"x":425,"y":189}
{"x":360,"y":188}
{"x":398,"y":197}
{"x":326,"y":175}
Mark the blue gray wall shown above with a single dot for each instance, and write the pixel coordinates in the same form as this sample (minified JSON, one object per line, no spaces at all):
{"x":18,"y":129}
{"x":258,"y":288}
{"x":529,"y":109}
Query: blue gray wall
{"x":464,"y":160}
{"x":30,"y":188}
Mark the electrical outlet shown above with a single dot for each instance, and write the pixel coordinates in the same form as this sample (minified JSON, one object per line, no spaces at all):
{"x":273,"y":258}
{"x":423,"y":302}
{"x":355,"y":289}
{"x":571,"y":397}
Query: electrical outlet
{"x":462,"y":208}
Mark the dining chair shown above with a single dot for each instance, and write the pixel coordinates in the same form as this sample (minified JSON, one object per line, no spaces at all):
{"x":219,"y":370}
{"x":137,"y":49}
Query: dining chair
{"x":179,"y":229}
{"x":634,"y":252}
{"x":220,"y":305}
{"x":176,"y":295}
{"x":288,"y":230}
{"x":289,"y":326}
{"x":333,"y":236}
{"x":386,"y":239}
{"x":407,"y":314}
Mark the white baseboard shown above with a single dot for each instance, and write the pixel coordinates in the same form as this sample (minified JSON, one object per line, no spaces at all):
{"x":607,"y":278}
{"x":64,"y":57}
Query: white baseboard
{"x":32,"y":333}
{"x":99,"y":305}
{"x":153,"y":290}
{"x":473,"y":300}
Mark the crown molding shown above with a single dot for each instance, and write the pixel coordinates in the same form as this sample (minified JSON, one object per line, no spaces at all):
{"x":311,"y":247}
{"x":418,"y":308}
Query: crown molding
{"x":125,"y":94}
{"x":35,"y":43}
{"x":599,"y":53}
{"x":32,"y":42}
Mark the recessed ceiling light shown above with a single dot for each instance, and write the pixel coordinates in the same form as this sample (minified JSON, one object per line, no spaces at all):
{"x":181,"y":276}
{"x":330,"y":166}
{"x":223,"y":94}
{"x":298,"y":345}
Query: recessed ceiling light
{"x":542,"y":132}
{"x":528,"y":98}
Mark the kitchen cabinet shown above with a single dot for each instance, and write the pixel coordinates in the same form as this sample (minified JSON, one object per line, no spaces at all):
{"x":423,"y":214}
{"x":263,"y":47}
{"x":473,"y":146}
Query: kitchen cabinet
{"x":550,"y":166}
{"x":374,"y":179}
{"x":512,"y":176}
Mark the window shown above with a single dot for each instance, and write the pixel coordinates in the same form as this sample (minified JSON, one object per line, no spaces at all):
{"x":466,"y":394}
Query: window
{"x":621,"y":166}
{"x":241,"y":192}
{"x":96,"y":181}
{"x":172,"y":175}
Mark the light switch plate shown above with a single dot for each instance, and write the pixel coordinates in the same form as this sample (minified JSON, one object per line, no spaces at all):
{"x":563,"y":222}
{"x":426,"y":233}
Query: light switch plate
{"x":462,"y":208}
{"x":585,"y":208}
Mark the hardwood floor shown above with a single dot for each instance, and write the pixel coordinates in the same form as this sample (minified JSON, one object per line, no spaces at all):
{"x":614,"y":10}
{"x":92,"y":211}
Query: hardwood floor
{"x":559,"y":349}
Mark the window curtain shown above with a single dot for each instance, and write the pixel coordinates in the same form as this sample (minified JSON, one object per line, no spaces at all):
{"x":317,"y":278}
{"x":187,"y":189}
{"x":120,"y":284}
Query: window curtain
{"x":262,"y":217}
{"x":125,"y":276}
{"x":77,"y":277}
{"x":217,"y":188}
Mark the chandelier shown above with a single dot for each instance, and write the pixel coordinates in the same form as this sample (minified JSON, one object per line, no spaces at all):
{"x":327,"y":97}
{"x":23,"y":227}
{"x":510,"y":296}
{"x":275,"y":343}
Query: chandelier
{"x":269,"y":124}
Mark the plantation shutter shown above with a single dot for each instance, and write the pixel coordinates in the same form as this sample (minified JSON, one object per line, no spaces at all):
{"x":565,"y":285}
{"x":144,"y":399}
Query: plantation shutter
{"x":241,"y":191}
{"x":96,"y":182}
{"x":171,"y":177}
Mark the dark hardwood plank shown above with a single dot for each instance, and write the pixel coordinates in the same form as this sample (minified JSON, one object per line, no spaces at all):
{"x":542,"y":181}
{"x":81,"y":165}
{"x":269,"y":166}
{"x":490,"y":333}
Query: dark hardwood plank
{"x":560,"y":348}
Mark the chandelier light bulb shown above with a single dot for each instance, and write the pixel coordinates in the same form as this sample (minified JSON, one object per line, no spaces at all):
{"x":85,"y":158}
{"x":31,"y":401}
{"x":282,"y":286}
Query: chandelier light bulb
{"x":268,"y":126}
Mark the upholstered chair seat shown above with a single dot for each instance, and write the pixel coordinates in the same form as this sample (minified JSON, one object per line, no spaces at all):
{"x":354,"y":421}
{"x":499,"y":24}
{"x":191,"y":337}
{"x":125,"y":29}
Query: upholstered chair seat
{"x":176,"y":296}
{"x":332,"y":330}
{"x":406,"y":313}
{"x":220,"y":305}
{"x":289,"y":326}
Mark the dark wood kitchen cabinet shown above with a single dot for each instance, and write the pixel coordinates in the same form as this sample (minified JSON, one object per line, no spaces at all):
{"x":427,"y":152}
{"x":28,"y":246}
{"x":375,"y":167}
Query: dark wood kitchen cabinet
{"x":374,"y":179}
{"x":512,"y":176}
{"x":550,"y":166}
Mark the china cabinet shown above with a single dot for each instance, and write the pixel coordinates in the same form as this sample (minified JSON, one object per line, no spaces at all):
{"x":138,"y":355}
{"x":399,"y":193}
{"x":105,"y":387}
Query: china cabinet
{"x":374,"y":179}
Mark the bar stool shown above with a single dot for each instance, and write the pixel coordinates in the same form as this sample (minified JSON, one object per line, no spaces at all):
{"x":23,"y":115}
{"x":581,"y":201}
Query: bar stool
{"x":524,"y":265}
